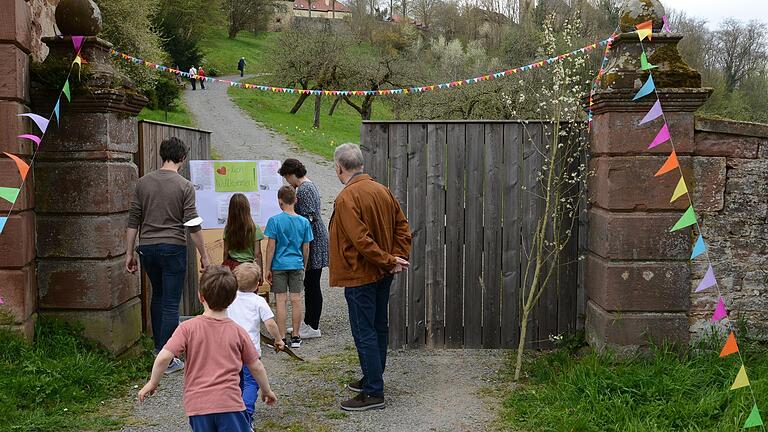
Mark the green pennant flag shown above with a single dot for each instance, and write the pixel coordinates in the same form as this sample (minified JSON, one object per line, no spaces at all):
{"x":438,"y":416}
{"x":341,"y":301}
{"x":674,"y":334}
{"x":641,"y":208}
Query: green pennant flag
{"x":9,"y":194}
{"x":688,"y":219}
{"x":754,"y":418}
{"x":66,"y":91}
{"x":644,"y":65}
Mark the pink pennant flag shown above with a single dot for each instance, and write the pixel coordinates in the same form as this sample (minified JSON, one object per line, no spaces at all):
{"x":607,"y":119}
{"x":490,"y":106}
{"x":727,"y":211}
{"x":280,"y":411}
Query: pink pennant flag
{"x":2,"y":302}
{"x":720,"y":311}
{"x":708,"y":281}
{"x":661,"y":137}
{"x":665,"y":27}
{"x":77,"y":41}
{"x":653,"y":114}
{"x":34,"y":138}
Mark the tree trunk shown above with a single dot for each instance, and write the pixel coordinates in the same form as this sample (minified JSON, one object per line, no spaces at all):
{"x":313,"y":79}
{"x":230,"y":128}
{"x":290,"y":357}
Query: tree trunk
{"x":318,"y":100}
{"x":232,"y":31}
{"x":299,"y":103}
{"x":521,"y":345}
{"x":333,"y":106}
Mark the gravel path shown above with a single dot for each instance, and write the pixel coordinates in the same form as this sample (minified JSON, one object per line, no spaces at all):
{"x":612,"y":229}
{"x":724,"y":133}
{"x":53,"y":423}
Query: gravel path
{"x":426,"y":390}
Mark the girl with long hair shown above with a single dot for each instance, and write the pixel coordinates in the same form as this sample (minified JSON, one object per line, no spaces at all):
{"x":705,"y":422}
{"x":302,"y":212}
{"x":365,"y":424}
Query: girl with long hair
{"x":242,"y":237}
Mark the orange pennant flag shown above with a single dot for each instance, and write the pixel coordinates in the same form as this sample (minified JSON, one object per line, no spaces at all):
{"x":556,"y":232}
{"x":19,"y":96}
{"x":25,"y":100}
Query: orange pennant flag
{"x":669,"y":165}
{"x":20,"y":164}
{"x":730,"y":346}
{"x":645,"y":30}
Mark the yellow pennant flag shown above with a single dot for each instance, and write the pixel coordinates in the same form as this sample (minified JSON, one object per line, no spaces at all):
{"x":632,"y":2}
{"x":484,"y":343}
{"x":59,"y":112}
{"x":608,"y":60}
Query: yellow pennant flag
{"x":645,"y":30}
{"x":79,"y":62}
{"x":680,"y":190}
{"x":741,"y":379}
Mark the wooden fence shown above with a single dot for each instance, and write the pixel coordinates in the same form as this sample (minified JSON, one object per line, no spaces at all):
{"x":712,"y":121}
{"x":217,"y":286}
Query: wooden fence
{"x":151,"y":134}
{"x":461,"y":185}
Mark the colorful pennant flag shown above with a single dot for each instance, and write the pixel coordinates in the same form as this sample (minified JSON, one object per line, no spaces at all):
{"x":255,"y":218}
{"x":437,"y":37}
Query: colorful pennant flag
{"x":645,"y":30}
{"x":665,"y":26}
{"x":77,"y":41}
{"x":669,"y":165}
{"x":730,"y":346}
{"x":65,"y":90}
{"x":699,"y":248}
{"x":653,"y":114}
{"x":31,"y":137}
{"x":40,"y":121}
{"x":661,"y":137}
{"x":646,"y":89}
{"x":741,"y":379}
{"x":687,"y":219}
{"x":79,"y":63}
{"x":2,"y":302}
{"x":680,"y":190}
{"x":754,"y":418}
{"x":720,"y":311}
{"x":708,"y":280}
{"x":56,"y":109}
{"x":20,"y":164}
{"x":9,"y":194}
{"x":644,"y":65}
{"x":3,"y":220}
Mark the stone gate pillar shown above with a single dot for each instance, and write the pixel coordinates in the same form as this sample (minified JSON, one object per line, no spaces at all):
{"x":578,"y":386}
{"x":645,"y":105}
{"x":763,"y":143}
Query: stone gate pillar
{"x":638,"y":278}
{"x":85,"y":179}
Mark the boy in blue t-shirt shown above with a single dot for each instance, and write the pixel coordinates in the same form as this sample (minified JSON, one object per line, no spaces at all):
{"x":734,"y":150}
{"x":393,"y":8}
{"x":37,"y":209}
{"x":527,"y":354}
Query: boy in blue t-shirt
{"x":287,"y":253}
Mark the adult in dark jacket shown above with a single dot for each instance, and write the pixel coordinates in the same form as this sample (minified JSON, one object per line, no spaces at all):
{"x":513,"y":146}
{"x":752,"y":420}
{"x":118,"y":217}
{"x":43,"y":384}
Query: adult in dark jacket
{"x":241,"y":66}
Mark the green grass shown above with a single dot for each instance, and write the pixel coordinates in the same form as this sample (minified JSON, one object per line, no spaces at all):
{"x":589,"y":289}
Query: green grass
{"x":61,"y":382}
{"x":179,"y":116}
{"x":273,"y":111}
{"x":666,"y":391}
{"x":222,"y":53}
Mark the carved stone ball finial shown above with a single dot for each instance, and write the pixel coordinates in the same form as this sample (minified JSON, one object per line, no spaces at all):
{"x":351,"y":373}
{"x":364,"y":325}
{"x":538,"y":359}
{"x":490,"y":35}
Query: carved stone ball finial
{"x":78,"y":17}
{"x":634,"y":12}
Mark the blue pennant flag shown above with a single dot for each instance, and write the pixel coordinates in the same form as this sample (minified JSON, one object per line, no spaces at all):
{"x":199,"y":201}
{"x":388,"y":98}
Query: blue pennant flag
{"x":56,"y":110}
{"x":646,"y":89}
{"x":699,"y":248}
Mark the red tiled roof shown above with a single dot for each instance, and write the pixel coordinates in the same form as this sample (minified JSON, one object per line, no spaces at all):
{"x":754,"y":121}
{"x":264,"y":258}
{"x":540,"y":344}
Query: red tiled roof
{"x":321,"y":6}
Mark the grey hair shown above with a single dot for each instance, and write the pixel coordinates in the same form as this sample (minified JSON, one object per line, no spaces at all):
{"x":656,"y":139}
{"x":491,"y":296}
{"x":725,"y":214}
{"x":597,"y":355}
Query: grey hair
{"x":349,"y":156}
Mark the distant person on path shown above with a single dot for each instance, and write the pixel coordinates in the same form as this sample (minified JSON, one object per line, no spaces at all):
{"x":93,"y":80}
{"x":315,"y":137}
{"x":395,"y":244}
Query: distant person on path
{"x":201,"y":74}
{"x":163,"y":208}
{"x":241,"y":66}
{"x":287,"y":255}
{"x":308,"y":205}
{"x":192,"y":79}
{"x":370,"y":242}
{"x":216,"y":349}
{"x":242,"y":237}
{"x":248,"y":311}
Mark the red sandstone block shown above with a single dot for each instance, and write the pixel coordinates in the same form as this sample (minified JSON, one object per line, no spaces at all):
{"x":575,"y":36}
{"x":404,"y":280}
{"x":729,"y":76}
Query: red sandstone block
{"x":10,"y":177}
{"x":115,"y":132}
{"x":84,"y":284}
{"x":17,"y":242}
{"x":15,"y":23}
{"x":25,"y":329}
{"x":14,"y":126}
{"x":14,"y":73}
{"x":628,"y":183}
{"x":616,"y":330}
{"x":83,"y":186}
{"x":631,"y":286}
{"x":618,"y":133}
{"x":81,"y":236}
{"x":637,"y":236}
{"x":720,"y":144}
{"x":19,"y":291}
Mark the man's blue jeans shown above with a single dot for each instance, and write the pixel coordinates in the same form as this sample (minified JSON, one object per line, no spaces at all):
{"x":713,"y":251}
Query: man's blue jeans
{"x":368,"y":306}
{"x":250,"y":389}
{"x":166,"y":267}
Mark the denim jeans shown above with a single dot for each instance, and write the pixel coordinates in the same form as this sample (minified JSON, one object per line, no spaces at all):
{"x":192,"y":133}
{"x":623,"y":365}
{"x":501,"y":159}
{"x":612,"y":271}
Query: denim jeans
{"x":368,"y":307}
{"x":250,"y":389}
{"x":226,"y":422}
{"x":166,"y":267}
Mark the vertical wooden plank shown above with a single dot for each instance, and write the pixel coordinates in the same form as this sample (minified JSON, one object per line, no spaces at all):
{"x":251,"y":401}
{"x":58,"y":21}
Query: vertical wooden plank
{"x":493,"y":146}
{"x":373,"y":143}
{"x":532,"y":209}
{"x":398,"y":151}
{"x":473,"y":231}
{"x":547,"y":312}
{"x":581,"y":298}
{"x":454,"y":236}
{"x":417,"y":217}
{"x":435,"y":233}
{"x":510,"y":259}
{"x":568,"y":283}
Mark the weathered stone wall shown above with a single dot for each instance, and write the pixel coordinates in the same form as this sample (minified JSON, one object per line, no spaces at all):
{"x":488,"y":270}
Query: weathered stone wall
{"x":734,"y":222}
{"x":43,"y":25}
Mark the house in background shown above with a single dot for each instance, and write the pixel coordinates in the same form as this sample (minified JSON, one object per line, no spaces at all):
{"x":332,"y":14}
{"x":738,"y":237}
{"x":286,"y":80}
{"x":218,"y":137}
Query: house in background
{"x":321,"y":9}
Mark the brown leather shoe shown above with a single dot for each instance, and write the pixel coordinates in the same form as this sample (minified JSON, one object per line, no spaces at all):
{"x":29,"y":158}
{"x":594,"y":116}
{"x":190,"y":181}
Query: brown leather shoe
{"x":356,"y":386}
{"x":363,"y":402}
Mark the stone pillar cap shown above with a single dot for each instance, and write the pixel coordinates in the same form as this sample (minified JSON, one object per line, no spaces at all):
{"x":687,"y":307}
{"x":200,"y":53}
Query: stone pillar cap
{"x":634,"y":12}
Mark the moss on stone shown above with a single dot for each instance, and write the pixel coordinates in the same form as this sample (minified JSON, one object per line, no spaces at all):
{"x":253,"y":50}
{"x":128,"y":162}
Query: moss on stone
{"x":6,"y":316}
{"x":676,"y":72}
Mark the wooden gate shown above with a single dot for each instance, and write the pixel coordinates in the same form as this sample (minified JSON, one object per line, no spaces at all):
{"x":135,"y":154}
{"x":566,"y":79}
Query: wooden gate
{"x":468,"y":191}
{"x":151,"y":134}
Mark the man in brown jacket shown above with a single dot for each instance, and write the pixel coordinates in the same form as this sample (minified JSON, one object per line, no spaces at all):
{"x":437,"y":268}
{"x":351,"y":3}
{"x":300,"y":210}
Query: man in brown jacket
{"x":369,"y":242}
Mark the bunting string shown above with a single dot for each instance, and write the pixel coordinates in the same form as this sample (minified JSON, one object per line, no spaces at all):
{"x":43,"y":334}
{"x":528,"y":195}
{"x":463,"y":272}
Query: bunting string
{"x":11,"y":194}
{"x":599,"y":77}
{"x":406,"y":90}
{"x":689,"y":219}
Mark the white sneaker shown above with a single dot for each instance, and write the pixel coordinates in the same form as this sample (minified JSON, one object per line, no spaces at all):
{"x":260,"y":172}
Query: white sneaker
{"x":306,"y":332}
{"x":174,"y":366}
